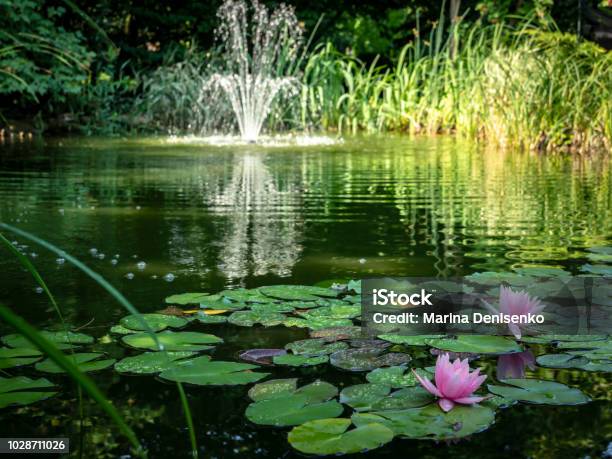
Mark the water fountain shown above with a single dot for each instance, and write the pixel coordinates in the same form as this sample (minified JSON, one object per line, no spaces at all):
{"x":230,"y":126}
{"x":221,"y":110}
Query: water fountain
{"x":261,"y":52}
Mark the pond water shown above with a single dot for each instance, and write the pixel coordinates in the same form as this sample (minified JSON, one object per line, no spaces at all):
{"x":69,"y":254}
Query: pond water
{"x":205,"y":218}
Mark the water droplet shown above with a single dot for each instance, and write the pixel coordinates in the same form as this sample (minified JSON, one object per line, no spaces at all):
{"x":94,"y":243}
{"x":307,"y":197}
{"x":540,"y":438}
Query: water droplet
{"x":362,"y":261}
{"x":129,"y":276}
{"x":60,"y":261}
{"x":169,"y":277}
{"x":38,"y":290}
{"x":93,"y":251}
{"x":141,"y":265}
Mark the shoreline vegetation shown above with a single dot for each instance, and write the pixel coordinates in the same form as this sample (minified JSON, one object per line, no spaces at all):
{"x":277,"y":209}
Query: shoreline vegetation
{"x":517,"y":83}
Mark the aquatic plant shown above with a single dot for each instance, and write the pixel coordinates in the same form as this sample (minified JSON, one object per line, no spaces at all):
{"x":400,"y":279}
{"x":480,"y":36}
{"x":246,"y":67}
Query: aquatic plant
{"x":513,"y":365}
{"x":454,"y":383}
{"x":514,"y":305}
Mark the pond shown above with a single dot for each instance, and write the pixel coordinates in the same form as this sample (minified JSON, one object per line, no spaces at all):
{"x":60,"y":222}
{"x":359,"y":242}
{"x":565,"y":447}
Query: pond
{"x":157,"y":217}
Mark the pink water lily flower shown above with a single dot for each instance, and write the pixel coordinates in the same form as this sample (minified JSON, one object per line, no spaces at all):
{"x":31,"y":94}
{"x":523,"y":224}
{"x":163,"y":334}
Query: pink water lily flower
{"x":513,"y":303}
{"x":513,"y":365}
{"x":454,"y":383}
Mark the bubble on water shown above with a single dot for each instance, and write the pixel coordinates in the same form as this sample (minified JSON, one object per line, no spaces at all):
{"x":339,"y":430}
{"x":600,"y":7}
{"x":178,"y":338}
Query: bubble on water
{"x":93,"y":251}
{"x":60,"y":261}
{"x":101,"y":256}
{"x":169,"y":277}
{"x":129,"y":276}
{"x":141,"y":265}
{"x":38,"y":290}
{"x":114,"y":262}
{"x":362,"y":261}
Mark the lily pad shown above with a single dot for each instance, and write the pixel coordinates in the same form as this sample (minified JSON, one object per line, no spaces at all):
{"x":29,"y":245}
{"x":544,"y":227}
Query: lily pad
{"x":172,"y":341}
{"x":121,"y":330}
{"x":539,"y":392}
{"x":250,"y":318}
{"x":361,"y":396}
{"x":187,"y":298}
{"x":86,"y":361}
{"x":299,"y":360}
{"x":601,"y":270}
{"x":210,"y":318}
{"x":261,"y":356}
{"x":152,"y":362}
{"x":278,"y":403}
{"x":344,"y":311}
{"x":317,"y":323}
{"x":242,"y":295}
{"x":547,"y":339}
{"x":369,"y":397}
{"x":430,"y":422}
{"x":10,"y":358}
{"x":315,"y":346}
{"x":61,"y":339}
{"x":495,"y":278}
{"x":365,"y":359}
{"x":336,"y":333}
{"x":222,"y":304}
{"x":476,"y":344}
{"x":272,"y":307}
{"x":399,"y":376}
{"x":332,"y":437}
{"x":204,"y":372}
{"x":561,"y":361}
{"x":21,"y":390}
{"x":156,"y":322}
{"x":298,"y":292}
{"x":409,"y":340}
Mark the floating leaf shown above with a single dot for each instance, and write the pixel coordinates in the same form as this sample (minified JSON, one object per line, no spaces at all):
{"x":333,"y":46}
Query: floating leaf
{"x":261,"y":356}
{"x":345,"y":311}
{"x":61,"y":339}
{"x":10,"y":358}
{"x":409,"y":340}
{"x":121,"y":330}
{"x":205,"y":318}
{"x":539,"y":391}
{"x":561,"y":361}
{"x":250,"y":318}
{"x":299,"y":360}
{"x":430,"y":422}
{"x":156,"y":322}
{"x":298,"y":292}
{"x":361,"y":396}
{"x":364,"y":359}
{"x":187,"y":298}
{"x":332,"y":437}
{"x":542,"y":271}
{"x":201,"y":371}
{"x":495,"y":278}
{"x":242,"y":295}
{"x":601,"y":270}
{"x":152,"y":362}
{"x":172,"y":341}
{"x":279,"y":403}
{"x":315,"y":346}
{"x":317,"y":323}
{"x":18,"y":390}
{"x":554,"y":338}
{"x":399,"y":376}
{"x":368,"y":397}
{"x":272,"y":307}
{"x":476,"y":344}
{"x":86,"y":361}
{"x":336,"y":333}
{"x":369,"y":343}
{"x":354,"y":286}
{"x":222,"y":304}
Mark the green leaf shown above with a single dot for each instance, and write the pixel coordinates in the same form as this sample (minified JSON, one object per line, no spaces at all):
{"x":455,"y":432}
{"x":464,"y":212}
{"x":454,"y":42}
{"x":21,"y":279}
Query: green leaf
{"x":366,"y":359}
{"x":476,"y":344}
{"x":345,"y":311}
{"x":242,"y":295}
{"x":495,"y":279}
{"x":399,"y":376}
{"x":157,"y":322}
{"x":601,"y":270}
{"x":368,"y":397}
{"x":315,"y":347}
{"x":539,"y":392}
{"x":187,"y":298}
{"x":86,"y":361}
{"x":317,"y":323}
{"x":298,"y":292}
{"x":430,"y":422}
{"x":121,"y":330}
{"x":561,"y":361}
{"x":61,"y":339}
{"x":18,"y":390}
{"x":210,"y":318}
{"x":415,"y":340}
{"x":272,"y":308}
{"x":250,"y":318}
{"x":172,"y":341}
{"x":299,"y":360}
{"x":336,"y":333}
{"x":152,"y":362}
{"x":273,"y":388}
{"x":332,"y":437}
{"x":361,"y":396}
{"x":203,"y":372}
{"x":10,"y":358}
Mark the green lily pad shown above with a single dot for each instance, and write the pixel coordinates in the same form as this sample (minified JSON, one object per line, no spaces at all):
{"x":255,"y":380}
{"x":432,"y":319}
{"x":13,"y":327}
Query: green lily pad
{"x":121,"y":330}
{"x":601,"y":270}
{"x":542,"y":271}
{"x":298,"y":292}
{"x":152,"y":362}
{"x":547,"y":339}
{"x":10,"y":358}
{"x":250,"y":318}
{"x":156,"y":322}
{"x":242,"y":295}
{"x":86,"y":361}
{"x":493,"y":278}
{"x":317,"y":323}
{"x":210,"y":318}
{"x":399,"y":376}
{"x":204,"y":372}
{"x":361,"y":396}
{"x":430,"y":422}
{"x":279,"y":403}
{"x":336,"y":333}
{"x":299,"y":360}
{"x":603,"y":345}
{"x":366,"y":359}
{"x":172,"y":341}
{"x":561,"y":361}
{"x":19,"y":390}
{"x":61,"y":339}
{"x":332,"y":437}
{"x":408,"y":340}
{"x":272,"y":307}
{"x":539,"y":392}
{"x":315,"y":347}
{"x":369,"y":397}
{"x":476,"y":344}
{"x":219,"y":303}
{"x":344,"y":311}
{"x":187,"y":298}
